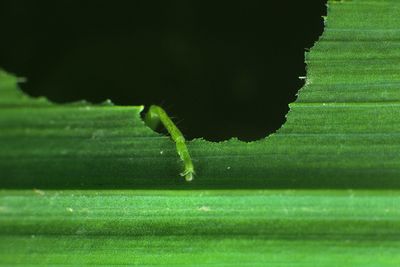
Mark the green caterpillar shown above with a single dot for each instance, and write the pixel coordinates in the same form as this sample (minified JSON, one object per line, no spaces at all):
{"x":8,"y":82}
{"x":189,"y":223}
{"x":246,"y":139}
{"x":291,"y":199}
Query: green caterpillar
{"x":154,"y":116}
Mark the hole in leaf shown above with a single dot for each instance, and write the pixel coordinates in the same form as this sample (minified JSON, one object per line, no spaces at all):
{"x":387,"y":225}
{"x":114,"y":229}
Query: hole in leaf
{"x":221,"y":68}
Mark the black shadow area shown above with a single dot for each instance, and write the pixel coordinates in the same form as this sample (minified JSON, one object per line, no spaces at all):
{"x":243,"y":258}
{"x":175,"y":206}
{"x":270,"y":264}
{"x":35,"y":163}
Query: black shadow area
{"x":221,"y":68}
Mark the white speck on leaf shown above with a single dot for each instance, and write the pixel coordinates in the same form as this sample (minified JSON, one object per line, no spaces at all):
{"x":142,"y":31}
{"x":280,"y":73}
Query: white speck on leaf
{"x":39,"y":192}
{"x":204,"y":208}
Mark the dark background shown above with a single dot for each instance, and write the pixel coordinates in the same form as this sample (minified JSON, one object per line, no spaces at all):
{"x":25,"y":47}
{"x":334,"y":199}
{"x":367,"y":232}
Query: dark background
{"x":220,"y":68}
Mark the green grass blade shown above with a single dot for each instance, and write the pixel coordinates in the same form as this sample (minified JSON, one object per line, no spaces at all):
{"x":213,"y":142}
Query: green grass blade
{"x":342,"y":132}
{"x":201,"y":228}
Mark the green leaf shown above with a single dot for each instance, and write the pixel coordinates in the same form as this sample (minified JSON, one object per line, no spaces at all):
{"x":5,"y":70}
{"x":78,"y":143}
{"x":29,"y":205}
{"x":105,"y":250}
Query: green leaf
{"x":342,"y":132}
{"x":200,"y":228}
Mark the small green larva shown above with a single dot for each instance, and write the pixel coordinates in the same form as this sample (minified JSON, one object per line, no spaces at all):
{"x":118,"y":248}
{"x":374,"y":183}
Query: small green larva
{"x":154,"y":116}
